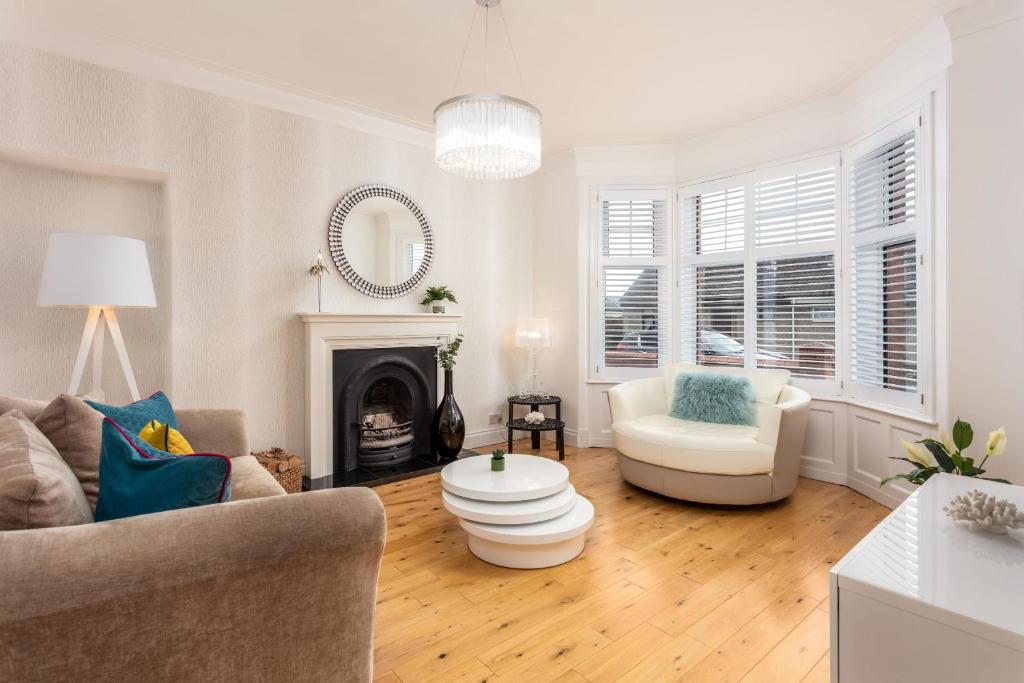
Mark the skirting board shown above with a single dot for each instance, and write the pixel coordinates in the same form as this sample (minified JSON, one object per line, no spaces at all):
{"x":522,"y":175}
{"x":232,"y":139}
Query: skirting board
{"x":821,"y":474}
{"x":485,"y":437}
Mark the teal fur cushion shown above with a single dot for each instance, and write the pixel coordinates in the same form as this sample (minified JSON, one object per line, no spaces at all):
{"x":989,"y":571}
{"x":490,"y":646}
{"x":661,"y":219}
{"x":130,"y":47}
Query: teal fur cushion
{"x":137,"y":479}
{"x":134,"y":416}
{"x":707,"y":397}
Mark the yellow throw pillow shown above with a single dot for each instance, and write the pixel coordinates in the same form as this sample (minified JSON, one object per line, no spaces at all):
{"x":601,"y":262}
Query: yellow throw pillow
{"x":165,"y":438}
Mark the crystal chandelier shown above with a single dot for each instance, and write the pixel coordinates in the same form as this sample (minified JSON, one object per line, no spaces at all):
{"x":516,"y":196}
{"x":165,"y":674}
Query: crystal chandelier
{"x":487,"y":135}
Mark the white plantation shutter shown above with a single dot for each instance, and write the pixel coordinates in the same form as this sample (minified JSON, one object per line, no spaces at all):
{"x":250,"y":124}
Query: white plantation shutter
{"x":796,"y":315}
{"x":796,"y":208}
{"x":633,"y":282}
{"x":714,"y":221}
{"x":634,"y":227}
{"x":758,"y":279}
{"x":884,"y":269}
{"x":712,"y":314}
{"x":414,"y":252}
{"x":713,"y":237}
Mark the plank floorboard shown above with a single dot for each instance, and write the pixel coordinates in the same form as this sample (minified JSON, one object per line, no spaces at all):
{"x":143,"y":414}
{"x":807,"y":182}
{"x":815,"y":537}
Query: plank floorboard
{"x":664,"y":590}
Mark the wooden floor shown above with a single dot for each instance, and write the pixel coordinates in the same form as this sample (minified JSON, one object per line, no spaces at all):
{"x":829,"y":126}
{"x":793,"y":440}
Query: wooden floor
{"x":664,"y":590}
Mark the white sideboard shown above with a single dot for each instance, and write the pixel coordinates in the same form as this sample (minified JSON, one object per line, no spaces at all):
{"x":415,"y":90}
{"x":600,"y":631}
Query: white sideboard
{"x":922,"y":598}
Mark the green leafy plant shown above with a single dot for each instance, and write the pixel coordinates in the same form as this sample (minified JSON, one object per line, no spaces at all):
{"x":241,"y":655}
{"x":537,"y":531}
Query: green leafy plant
{"x":498,"y":454}
{"x":931,"y":456}
{"x":446,"y":354}
{"x":438,"y":293}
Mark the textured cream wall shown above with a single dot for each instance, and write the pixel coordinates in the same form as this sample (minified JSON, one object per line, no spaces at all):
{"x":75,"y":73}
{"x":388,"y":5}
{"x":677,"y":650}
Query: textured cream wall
{"x":39,"y":344}
{"x":986,"y":235}
{"x":246,"y":201}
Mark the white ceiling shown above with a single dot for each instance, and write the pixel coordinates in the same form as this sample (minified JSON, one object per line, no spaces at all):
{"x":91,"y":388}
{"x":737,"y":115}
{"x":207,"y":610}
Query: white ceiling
{"x":601,"y":71}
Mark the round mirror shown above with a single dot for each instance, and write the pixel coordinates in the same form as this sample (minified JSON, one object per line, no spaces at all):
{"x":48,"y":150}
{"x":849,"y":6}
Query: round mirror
{"x":380,"y":241}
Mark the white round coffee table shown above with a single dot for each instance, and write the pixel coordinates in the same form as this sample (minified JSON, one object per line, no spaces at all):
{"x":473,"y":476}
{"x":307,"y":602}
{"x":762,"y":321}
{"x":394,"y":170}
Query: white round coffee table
{"x":526,"y":517}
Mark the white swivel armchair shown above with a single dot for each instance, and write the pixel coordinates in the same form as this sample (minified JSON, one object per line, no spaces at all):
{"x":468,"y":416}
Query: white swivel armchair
{"x":704,"y":462}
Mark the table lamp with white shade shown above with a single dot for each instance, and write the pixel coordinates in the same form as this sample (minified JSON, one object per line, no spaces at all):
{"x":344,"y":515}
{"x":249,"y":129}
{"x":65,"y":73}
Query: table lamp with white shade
{"x":533,"y":334}
{"x":101,"y":273}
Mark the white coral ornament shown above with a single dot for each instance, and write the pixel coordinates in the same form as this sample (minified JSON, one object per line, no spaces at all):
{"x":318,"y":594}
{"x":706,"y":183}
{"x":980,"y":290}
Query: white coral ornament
{"x":534,"y":417}
{"x":984,"y":512}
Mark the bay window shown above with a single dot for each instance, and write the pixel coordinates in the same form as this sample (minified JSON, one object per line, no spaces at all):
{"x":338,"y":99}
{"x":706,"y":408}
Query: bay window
{"x":773,"y":268}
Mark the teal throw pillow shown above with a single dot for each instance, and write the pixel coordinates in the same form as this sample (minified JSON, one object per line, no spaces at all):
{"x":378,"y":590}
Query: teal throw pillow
{"x":137,"y":479}
{"x":134,"y":416}
{"x":708,"y":397}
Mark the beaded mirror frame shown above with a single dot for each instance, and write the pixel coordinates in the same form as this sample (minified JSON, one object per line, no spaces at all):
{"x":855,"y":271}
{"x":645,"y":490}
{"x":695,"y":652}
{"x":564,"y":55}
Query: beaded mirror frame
{"x":341,"y":212}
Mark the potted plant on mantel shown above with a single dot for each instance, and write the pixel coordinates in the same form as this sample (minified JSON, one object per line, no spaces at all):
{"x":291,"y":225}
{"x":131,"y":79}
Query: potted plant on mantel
{"x":435,"y":297}
{"x":449,"y":428}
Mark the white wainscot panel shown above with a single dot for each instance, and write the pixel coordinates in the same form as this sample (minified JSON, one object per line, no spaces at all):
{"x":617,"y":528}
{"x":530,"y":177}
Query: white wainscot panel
{"x":905,"y":432}
{"x":823,"y":456}
{"x":874,"y":439}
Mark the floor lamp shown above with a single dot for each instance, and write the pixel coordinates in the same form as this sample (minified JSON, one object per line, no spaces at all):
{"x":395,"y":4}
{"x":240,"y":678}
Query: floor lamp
{"x":533,"y":334}
{"x":101,"y":273}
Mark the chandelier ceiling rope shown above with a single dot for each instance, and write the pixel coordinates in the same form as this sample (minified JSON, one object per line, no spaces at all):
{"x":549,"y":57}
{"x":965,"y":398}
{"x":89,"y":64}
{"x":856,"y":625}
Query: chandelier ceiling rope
{"x":488,"y":134}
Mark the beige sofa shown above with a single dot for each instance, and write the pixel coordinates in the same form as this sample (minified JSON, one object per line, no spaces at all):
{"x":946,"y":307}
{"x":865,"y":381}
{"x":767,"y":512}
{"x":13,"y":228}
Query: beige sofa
{"x":268,"y":587}
{"x":710,"y":463}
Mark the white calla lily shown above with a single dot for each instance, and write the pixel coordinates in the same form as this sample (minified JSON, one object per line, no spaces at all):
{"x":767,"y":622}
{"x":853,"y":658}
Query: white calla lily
{"x":996,"y":442}
{"x":947,"y":441}
{"x":916,"y":453}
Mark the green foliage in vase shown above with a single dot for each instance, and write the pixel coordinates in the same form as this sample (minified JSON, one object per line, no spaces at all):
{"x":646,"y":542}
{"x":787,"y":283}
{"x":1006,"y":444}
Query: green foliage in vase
{"x":498,"y":454}
{"x":446,"y":354}
{"x":931,"y":456}
{"x":438,"y":293}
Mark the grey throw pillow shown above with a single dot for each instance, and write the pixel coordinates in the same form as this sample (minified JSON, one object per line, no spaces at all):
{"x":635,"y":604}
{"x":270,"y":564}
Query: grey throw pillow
{"x":37,"y":488}
{"x":74,"y":429}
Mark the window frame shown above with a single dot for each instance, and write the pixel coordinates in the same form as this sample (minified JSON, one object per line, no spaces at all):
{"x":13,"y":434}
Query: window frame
{"x":599,"y":262}
{"x":919,"y":401}
{"x":751,"y":255}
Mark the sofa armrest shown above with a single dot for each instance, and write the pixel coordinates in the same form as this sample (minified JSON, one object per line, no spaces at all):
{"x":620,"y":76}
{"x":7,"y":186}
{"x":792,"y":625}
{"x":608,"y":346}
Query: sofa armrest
{"x":783,"y":426}
{"x":279,"y":588}
{"x":214,"y":430}
{"x":636,"y":398}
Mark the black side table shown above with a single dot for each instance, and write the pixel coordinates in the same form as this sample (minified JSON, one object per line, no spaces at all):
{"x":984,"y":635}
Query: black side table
{"x":521,"y":425}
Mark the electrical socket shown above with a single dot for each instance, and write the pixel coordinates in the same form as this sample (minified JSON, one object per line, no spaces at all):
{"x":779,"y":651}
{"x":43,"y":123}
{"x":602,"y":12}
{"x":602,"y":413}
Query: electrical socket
{"x":494,"y":419}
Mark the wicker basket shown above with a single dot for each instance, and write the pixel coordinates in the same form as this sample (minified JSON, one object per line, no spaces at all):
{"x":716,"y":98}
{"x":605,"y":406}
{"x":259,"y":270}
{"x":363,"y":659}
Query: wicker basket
{"x":285,"y":467}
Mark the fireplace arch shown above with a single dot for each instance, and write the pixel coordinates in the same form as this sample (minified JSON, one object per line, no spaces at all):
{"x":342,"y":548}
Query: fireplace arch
{"x":384,"y":401}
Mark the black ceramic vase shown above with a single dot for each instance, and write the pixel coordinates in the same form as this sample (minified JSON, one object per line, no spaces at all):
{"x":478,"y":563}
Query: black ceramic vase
{"x":449,"y":428}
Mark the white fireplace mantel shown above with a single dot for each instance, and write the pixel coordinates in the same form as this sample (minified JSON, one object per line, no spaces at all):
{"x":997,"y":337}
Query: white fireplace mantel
{"x":325,"y":332}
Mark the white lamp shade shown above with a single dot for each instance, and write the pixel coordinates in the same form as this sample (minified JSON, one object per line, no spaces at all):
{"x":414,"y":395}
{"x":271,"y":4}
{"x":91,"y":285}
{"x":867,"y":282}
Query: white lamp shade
{"x":96,"y":270}
{"x":533,"y":333}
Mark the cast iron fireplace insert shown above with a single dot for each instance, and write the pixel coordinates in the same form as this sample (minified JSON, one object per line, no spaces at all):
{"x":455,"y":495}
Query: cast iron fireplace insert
{"x":384,"y":402}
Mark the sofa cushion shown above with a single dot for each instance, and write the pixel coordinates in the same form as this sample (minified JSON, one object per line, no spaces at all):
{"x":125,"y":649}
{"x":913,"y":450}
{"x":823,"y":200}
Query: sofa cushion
{"x":250,"y":479}
{"x":33,"y":407}
{"x":37,"y":488}
{"x":767,"y":383}
{"x":707,"y":397}
{"x":701,"y":447}
{"x":137,"y":479}
{"x":74,"y":430}
{"x":29,"y":407}
{"x":135,"y":416}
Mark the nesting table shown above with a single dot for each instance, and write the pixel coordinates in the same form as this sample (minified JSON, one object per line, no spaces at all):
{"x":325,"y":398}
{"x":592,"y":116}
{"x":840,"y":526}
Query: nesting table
{"x":526,"y":517}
